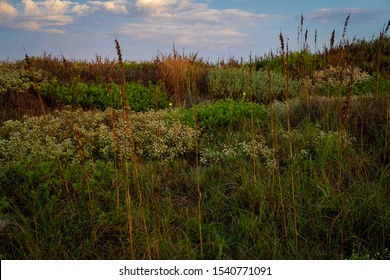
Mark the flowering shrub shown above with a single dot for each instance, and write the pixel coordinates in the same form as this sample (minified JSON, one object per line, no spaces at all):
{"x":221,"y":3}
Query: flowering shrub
{"x":335,"y":76}
{"x":332,"y":78}
{"x":157,"y":135}
{"x":226,"y":152}
{"x":20,"y":80}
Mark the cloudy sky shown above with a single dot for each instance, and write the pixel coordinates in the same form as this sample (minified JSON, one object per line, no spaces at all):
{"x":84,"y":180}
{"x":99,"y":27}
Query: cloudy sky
{"x":82,"y":29}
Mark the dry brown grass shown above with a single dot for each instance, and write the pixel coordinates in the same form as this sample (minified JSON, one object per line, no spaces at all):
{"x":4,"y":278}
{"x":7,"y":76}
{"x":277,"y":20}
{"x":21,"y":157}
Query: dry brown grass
{"x":183,"y":76}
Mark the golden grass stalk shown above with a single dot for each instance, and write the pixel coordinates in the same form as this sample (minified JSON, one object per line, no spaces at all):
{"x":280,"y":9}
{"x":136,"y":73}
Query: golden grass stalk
{"x":80,"y":150}
{"x":124,"y":107}
{"x":315,"y":49}
{"x":379,"y":56}
{"x":117,"y":150}
{"x":343,"y":126}
{"x":252,"y":121}
{"x":275,"y":147}
{"x":156,"y":217}
{"x":65,"y":181}
{"x":287,"y":97}
{"x":273,"y":130}
{"x":134,"y":160}
{"x":198,"y":190}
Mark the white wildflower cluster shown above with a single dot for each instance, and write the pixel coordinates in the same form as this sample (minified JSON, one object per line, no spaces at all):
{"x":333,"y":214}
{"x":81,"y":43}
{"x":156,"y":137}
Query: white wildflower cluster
{"x":33,"y":139}
{"x":157,"y":135}
{"x":334,"y":76}
{"x":14,"y":80}
{"x":336,"y":137}
{"x":300,"y":143}
{"x":226,"y":152}
{"x":295,"y":135}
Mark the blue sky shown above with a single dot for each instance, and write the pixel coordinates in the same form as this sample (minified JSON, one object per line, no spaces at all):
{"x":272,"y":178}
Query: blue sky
{"x":216,"y":29}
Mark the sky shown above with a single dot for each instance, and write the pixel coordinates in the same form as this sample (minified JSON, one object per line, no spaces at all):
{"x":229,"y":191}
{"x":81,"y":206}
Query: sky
{"x":214,"y":29}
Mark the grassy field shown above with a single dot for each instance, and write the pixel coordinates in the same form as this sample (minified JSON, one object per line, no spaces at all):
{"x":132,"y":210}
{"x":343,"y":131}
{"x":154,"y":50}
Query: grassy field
{"x":285,"y":156}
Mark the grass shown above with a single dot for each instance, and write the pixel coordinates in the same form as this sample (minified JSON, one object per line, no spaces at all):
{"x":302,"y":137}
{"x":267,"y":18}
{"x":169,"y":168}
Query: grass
{"x":219,"y":175}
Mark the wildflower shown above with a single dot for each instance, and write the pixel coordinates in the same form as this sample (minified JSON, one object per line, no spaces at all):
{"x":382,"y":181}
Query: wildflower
{"x":170,"y":104}
{"x":244,"y":94}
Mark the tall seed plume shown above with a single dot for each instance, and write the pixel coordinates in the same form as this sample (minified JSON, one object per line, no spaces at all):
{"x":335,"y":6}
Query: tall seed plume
{"x":345,"y":26}
{"x":281,"y":42}
{"x":332,"y":40}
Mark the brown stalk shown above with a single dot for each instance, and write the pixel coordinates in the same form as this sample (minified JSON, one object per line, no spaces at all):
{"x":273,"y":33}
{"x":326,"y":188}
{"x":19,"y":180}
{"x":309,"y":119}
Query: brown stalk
{"x":80,"y":149}
{"x":252,"y":121}
{"x":199,"y":193}
{"x":156,"y":217}
{"x":271,"y":100}
{"x":65,"y":181}
{"x":117,"y":148}
{"x":287,"y":97}
{"x":134,"y":160}
{"x":35,"y":83}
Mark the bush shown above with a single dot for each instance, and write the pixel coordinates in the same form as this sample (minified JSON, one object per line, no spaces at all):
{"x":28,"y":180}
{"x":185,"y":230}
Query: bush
{"x":143,"y":98}
{"x":140,"y":98}
{"x":157,"y":135}
{"x":225,"y":114}
{"x":335,"y":80}
{"x":233,"y":82}
{"x":21,"y":80}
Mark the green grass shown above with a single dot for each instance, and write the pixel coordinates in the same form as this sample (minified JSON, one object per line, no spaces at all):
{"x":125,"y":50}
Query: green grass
{"x":240,"y":219}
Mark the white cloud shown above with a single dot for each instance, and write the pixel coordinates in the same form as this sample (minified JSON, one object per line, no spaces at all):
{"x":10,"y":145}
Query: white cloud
{"x":42,"y":15}
{"x":339,"y":15}
{"x":57,"y":6}
{"x":115,"y":6}
{"x":30,"y":8}
{"x":7,"y":11}
{"x":190,"y":23}
{"x":156,"y":7}
{"x":184,"y":21}
{"x":80,"y":9}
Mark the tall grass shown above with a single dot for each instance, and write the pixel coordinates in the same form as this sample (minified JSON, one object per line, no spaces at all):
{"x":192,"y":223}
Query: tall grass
{"x":284,"y":56}
{"x":182,"y":75}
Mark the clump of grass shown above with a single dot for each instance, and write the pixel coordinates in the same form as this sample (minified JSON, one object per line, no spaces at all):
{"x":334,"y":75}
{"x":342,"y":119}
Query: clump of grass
{"x":183,"y":76}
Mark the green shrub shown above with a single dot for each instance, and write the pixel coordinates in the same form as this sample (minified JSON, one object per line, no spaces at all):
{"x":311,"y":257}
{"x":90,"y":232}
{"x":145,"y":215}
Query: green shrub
{"x":15,"y":80}
{"x":140,"y":98}
{"x":368,"y":86}
{"x":225,"y":113}
{"x":233,"y":82}
{"x":143,"y":98}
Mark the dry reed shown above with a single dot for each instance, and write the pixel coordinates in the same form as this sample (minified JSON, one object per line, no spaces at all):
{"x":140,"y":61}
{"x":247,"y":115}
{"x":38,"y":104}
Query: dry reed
{"x":284,"y":56}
